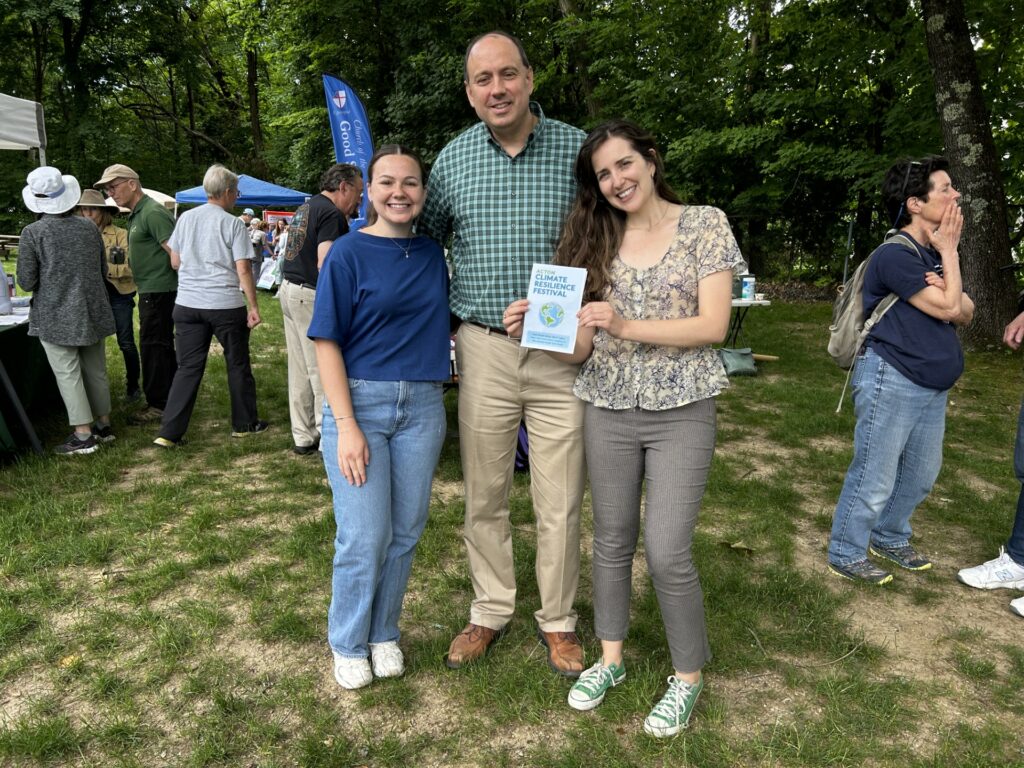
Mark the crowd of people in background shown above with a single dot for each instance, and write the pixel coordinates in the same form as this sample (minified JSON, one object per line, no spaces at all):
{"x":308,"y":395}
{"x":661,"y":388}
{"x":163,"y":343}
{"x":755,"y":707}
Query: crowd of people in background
{"x":368,"y":316}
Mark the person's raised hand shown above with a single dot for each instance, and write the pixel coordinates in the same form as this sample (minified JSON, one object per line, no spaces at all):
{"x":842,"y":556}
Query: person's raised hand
{"x":946,"y":237}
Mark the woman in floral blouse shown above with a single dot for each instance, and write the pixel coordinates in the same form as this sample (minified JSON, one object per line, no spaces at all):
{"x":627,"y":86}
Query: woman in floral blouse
{"x":659,"y":290}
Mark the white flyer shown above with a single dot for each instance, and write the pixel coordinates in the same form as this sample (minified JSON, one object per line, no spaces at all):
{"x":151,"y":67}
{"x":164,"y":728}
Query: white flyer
{"x":555,"y":296}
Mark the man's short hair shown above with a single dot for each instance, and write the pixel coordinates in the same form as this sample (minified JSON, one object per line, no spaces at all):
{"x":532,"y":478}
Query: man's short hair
{"x":338,"y":174}
{"x":496,"y":33}
{"x":219,"y":180}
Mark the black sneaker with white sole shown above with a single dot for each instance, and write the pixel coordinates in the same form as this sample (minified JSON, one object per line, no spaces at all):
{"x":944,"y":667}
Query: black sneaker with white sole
{"x":76,"y":444}
{"x":103,"y":433}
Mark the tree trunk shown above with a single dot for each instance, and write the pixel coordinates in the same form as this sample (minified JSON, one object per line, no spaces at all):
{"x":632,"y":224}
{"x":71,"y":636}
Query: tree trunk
{"x":174,"y":104}
{"x":759,"y":15}
{"x":39,"y":35}
{"x":74,"y":38}
{"x":580,"y":61}
{"x":967,"y":134}
{"x":254,"y":103}
{"x":193,"y":142}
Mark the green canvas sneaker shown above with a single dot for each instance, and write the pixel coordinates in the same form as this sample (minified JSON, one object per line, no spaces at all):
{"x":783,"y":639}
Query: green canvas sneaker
{"x":672,"y":713}
{"x":588,"y":691}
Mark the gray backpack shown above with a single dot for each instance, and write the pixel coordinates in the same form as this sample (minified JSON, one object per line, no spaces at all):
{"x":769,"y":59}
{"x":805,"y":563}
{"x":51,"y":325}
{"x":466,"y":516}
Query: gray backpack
{"x":849,"y":329}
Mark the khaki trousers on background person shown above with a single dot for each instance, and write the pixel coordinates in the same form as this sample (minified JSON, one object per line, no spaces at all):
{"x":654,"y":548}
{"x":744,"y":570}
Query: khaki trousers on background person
{"x":500,"y":383}
{"x":81,"y":374}
{"x":305,"y":394}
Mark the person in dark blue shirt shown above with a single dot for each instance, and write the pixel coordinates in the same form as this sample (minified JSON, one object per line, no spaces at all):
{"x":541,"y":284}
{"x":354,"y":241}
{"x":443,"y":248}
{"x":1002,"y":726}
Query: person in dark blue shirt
{"x":900,"y":382}
{"x":380,"y":326}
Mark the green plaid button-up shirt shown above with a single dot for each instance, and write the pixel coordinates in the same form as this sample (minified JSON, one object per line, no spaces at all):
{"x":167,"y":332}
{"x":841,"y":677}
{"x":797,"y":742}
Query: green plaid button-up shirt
{"x":503,"y":213}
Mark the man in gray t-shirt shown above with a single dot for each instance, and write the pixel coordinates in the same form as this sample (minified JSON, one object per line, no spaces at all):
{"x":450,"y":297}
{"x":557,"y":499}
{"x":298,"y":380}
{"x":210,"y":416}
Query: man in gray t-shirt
{"x":211,"y":251}
{"x":210,"y":243}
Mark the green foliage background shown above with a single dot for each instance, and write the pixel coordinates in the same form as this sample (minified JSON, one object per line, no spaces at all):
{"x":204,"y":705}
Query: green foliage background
{"x":784,"y":114}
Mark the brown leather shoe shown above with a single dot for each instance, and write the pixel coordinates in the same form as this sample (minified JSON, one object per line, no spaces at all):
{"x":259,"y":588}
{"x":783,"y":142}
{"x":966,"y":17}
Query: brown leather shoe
{"x":565,"y":652}
{"x":470,"y":644}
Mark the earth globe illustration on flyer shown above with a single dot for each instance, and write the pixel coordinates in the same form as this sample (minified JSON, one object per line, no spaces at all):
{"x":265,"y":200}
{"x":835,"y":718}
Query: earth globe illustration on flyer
{"x":555,"y":297}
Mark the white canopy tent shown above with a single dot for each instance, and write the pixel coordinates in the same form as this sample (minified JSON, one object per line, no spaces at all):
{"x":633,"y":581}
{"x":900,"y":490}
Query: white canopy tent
{"x":22,"y":125}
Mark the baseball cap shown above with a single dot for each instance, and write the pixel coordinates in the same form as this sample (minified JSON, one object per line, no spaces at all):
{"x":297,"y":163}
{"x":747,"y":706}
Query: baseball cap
{"x":116,"y":171}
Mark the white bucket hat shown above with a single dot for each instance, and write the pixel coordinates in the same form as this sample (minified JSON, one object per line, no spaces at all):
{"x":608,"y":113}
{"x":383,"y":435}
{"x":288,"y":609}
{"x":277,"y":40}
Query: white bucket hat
{"x":48,"y":191}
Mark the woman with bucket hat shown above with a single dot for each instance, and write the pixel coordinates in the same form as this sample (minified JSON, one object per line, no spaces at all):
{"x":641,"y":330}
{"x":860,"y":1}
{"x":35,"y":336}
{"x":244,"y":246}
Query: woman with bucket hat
{"x":120,"y":283}
{"x":62,"y":263}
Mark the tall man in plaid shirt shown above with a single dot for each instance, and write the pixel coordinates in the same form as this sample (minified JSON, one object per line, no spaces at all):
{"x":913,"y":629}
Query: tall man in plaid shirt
{"x":502,"y":190}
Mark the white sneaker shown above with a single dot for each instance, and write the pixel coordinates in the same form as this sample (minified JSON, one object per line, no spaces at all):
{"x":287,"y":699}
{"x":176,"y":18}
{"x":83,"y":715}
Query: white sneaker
{"x":387,"y":659}
{"x":1001,"y":573}
{"x":351,"y":673}
{"x":1017,"y":606}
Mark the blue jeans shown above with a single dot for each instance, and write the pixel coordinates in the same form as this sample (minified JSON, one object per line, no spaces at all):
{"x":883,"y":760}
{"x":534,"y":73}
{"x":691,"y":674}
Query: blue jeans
{"x":379,"y":523}
{"x":1015,"y":546}
{"x":123,"y":307}
{"x":897,"y":453}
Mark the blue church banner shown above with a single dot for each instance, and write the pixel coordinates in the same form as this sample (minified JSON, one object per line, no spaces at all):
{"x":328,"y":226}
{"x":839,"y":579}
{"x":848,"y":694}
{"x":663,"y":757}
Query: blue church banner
{"x":350,"y":128}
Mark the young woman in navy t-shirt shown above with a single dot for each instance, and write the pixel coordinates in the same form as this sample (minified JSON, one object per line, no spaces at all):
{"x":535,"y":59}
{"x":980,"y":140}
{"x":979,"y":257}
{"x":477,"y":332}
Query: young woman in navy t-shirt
{"x":380,"y":325}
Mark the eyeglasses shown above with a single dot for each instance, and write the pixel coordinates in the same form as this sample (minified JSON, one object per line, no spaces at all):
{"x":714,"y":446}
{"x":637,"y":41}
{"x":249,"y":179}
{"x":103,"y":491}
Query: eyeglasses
{"x":903,"y":192}
{"x":109,"y":189}
{"x":906,"y":178}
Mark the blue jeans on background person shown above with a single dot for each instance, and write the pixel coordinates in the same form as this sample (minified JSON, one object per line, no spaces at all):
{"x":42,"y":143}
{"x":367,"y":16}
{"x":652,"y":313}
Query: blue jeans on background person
{"x":380,"y":522}
{"x":897,"y":453}
{"x":123,"y":307}
{"x":1015,"y":546}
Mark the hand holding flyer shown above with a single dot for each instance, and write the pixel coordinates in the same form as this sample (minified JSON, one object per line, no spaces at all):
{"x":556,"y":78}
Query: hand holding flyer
{"x":555,"y":297}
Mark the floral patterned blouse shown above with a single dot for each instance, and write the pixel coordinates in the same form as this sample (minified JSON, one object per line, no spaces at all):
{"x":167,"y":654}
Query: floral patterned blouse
{"x":627,"y":374}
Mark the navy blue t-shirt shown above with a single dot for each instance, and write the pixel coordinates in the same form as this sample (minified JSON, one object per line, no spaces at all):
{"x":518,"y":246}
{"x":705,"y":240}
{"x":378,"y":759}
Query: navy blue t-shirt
{"x":387,"y":312}
{"x":921,"y":347}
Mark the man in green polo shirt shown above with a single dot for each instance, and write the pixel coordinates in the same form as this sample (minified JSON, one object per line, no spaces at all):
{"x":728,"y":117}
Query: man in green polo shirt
{"x":501,"y":190}
{"x":149,"y":228}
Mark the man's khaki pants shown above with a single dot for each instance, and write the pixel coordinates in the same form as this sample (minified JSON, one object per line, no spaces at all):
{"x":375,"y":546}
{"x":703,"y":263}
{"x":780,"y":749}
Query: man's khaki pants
{"x":305,"y":394}
{"x":499,"y":384}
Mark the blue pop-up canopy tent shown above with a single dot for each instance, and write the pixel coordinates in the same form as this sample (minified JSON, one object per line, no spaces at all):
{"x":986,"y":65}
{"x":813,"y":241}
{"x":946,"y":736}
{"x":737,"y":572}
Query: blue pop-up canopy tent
{"x":251,"y":191}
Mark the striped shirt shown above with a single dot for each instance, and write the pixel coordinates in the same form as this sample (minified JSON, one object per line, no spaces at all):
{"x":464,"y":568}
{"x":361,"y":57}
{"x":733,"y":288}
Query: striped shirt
{"x":503,"y":213}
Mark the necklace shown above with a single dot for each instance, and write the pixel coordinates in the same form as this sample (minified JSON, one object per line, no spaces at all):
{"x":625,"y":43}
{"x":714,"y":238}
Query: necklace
{"x":402,"y":248}
{"x":650,"y":227}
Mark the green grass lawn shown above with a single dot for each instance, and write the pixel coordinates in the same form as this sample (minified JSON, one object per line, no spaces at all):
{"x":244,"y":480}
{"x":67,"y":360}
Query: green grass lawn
{"x":168,"y":608}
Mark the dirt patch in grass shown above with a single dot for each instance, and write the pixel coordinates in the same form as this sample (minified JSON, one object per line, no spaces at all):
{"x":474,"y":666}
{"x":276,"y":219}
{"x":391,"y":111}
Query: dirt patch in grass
{"x":139,"y":475}
{"x":447,"y":491}
{"x":19,"y":695}
{"x":828,"y":444}
{"x":446,"y":716}
{"x":761,"y":698}
{"x":985,"y":489}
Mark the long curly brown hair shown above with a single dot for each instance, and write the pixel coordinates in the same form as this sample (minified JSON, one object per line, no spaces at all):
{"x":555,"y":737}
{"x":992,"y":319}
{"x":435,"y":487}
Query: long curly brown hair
{"x":593,"y":231}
